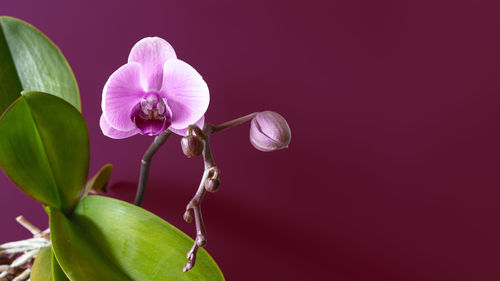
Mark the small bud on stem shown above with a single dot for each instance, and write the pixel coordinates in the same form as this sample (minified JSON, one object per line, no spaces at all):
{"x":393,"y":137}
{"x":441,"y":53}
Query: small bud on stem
{"x":212,"y":183}
{"x":188,"y":216}
{"x":269,"y":131}
{"x":192,"y":144}
{"x":201,"y":240}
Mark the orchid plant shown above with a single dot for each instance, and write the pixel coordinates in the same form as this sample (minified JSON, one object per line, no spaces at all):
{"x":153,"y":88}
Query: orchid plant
{"x":44,"y":150}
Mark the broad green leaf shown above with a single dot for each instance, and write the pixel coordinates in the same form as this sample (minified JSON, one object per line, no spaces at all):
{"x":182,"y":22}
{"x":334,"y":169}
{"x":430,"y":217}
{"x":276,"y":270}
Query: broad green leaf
{"x":46,"y":267}
{"x":29,"y":61}
{"x":44,"y":149}
{"x":99,"y":181}
{"x":42,"y":267}
{"x":57,"y":272}
{"x":108,"y":239}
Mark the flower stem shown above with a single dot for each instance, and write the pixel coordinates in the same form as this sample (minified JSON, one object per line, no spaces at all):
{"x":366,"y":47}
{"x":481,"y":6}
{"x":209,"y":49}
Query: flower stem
{"x":146,"y":163}
{"x":194,"y":205}
{"x":232,"y":123}
{"x":211,"y":173}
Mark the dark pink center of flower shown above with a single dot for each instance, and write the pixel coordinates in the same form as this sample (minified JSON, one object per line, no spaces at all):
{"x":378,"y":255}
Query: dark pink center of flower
{"x":151,"y":115}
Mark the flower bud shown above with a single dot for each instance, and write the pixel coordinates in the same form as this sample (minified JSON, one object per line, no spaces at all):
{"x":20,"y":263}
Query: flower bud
{"x":269,"y":131}
{"x":212,"y":185}
{"x":188,"y":266}
{"x":192,"y":146}
{"x":201,"y":240}
{"x":188,"y":216}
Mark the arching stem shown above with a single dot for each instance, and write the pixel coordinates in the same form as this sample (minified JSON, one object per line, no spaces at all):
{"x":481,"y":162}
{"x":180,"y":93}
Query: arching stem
{"x":146,"y":163}
{"x":232,"y":123}
{"x":211,"y":172}
{"x":194,"y":205}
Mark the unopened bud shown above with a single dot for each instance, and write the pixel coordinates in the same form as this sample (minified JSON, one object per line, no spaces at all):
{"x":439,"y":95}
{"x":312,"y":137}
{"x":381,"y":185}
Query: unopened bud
{"x":212,"y":185}
{"x":188,"y":267}
{"x":188,"y":216}
{"x":201,"y":240}
{"x":269,"y":131}
{"x":192,"y":146}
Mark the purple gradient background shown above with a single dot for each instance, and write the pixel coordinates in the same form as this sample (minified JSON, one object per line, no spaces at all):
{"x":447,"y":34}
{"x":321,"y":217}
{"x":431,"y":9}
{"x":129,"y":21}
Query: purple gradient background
{"x":393,"y":169}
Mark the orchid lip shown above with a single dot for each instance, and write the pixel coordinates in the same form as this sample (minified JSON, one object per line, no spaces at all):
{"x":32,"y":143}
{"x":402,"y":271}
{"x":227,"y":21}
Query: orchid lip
{"x":151,"y":115}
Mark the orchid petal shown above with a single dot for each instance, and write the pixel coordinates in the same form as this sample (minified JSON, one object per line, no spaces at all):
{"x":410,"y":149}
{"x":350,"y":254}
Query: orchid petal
{"x":113,"y":133}
{"x":183,"y":132}
{"x":120,"y":94}
{"x":186,"y":93}
{"x":152,"y":53}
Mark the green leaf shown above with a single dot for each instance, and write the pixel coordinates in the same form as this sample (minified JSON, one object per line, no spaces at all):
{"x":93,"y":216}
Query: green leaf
{"x":44,"y":149}
{"x":42,"y":267}
{"x":30,"y":61}
{"x":57,"y":272}
{"x":99,"y":181}
{"x":108,"y":239}
{"x":46,"y":267}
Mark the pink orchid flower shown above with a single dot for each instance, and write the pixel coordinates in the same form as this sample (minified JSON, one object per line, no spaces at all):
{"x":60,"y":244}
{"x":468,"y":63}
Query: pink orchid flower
{"x":153,"y":92}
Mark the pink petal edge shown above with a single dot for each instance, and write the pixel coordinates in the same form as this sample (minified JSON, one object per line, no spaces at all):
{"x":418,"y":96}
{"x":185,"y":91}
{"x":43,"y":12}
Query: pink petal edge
{"x":186,"y":93}
{"x":113,"y":133}
{"x":152,"y":53}
{"x":183,"y":132}
{"x":120,"y":94}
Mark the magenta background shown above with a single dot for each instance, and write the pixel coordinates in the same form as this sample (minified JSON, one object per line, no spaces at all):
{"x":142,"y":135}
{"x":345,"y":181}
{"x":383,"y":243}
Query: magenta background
{"x":393,"y":169}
